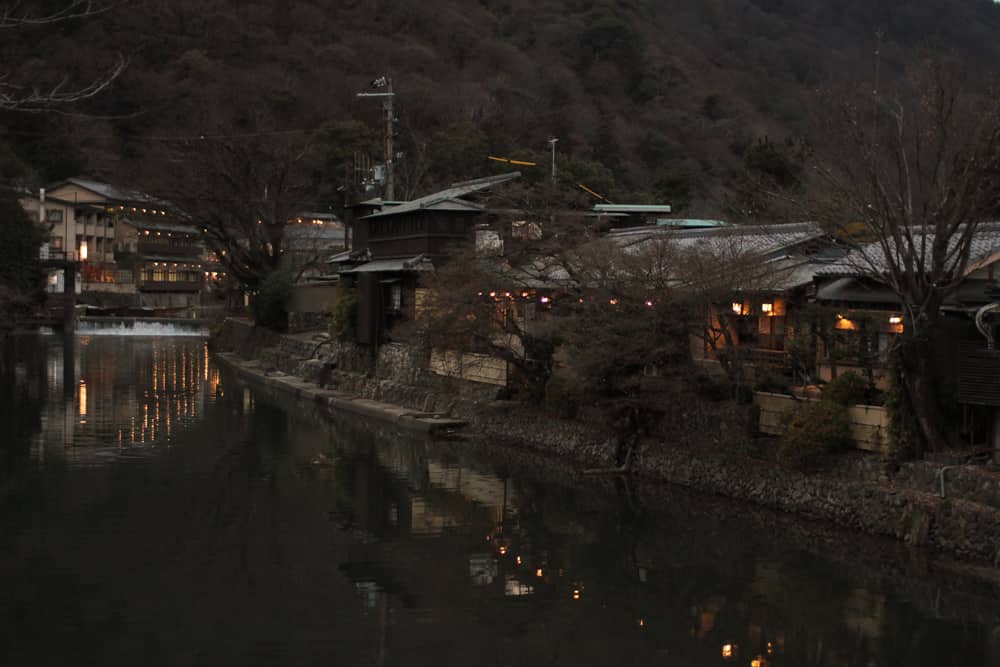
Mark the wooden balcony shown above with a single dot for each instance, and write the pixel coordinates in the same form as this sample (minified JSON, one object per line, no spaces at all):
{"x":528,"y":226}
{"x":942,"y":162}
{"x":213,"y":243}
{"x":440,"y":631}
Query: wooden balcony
{"x":169,"y":286}
{"x":189,"y":251}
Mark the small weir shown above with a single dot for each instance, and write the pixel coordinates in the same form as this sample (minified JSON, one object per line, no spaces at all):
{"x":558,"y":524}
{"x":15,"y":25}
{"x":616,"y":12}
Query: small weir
{"x":141,"y":326}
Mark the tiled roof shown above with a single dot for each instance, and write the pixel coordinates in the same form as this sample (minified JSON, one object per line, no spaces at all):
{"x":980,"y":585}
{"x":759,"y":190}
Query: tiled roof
{"x":870,"y":259}
{"x":418,"y":263}
{"x":757,"y":239}
{"x":109,"y":191}
{"x":449,"y":199}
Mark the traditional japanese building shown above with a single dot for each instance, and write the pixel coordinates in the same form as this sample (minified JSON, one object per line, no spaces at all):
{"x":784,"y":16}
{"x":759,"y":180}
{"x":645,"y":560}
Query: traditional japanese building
{"x":393,"y":244}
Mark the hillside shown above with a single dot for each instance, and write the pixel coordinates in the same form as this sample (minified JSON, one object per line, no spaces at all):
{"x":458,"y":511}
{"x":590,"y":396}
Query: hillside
{"x":649,"y":98}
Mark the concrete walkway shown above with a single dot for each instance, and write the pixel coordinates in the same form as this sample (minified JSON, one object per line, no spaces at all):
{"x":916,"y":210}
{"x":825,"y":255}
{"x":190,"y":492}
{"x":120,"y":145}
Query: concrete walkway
{"x":338,"y":401}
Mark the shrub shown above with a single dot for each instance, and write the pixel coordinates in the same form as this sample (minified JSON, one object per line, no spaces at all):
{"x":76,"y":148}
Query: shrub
{"x":270,"y":307}
{"x":813,"y":432}
{"x":847,"y":389}
{"x":344,"y":316}
{"x":562,"y":396}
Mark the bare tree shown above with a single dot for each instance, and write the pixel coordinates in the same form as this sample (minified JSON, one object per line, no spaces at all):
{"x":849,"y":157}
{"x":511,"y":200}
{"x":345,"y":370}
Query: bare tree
{"x":916,"y":174}
{"x":63,"y":94}
{"x":241,"y":192}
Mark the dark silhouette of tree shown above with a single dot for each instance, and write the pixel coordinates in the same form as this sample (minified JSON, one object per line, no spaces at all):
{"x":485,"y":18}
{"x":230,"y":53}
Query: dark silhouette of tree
{"x":919,"y":170}
{"x":25,"y":97}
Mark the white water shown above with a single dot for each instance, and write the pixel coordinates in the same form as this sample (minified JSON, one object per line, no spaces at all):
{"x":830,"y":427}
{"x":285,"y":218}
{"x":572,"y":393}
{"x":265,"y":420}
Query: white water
{"x":139,"y":329}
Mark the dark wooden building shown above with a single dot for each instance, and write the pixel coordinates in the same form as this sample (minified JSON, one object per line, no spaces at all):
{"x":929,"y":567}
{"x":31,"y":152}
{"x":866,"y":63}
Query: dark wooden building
{"x":394,"y":243}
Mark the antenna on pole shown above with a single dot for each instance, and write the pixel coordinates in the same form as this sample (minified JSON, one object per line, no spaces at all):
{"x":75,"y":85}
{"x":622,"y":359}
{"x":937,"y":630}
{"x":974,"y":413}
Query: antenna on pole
{"x":387,"y":99}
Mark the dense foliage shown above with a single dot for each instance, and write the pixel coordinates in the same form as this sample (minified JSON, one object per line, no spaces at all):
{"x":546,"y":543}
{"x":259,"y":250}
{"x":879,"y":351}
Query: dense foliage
{"x":20,"y":270}
{"x":650,"y":99}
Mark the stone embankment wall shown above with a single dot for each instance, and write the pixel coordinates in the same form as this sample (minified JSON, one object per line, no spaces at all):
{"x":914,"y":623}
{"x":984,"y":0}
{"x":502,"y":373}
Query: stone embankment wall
{"x":697,"y":448}
{"x":400,"y":375}
{"x":869,"y":502}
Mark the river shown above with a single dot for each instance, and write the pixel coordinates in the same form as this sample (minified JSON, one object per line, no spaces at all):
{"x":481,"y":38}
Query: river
{"x":155,"y":510}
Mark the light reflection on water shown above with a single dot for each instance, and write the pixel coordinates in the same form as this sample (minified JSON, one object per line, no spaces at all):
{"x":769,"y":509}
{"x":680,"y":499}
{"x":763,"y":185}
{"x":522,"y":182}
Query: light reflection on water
{"x":166,"y":514}
{"x":107,"y":396}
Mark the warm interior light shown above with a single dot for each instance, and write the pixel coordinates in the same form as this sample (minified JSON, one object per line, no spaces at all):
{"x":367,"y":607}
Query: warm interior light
{"x":538,"y":572}
{"x":767,"y":308}
{"x":895,"y":319}
{"x":83,"y":398}
{"x":737,"y":307}
{"x":545,"y":299}
{"x":757,"y":662}
{"x":83,"y":251}
{"x":727,"y":651}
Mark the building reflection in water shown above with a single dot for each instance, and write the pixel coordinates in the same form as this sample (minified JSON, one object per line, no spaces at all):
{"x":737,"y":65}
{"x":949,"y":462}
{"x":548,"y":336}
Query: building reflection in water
{"x":105,"y":393}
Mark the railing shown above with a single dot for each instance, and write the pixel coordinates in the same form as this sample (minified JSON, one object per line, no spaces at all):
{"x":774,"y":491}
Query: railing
{"x":51,"y":255}
{"x":152,"y":248}
{"x":169,"y":286}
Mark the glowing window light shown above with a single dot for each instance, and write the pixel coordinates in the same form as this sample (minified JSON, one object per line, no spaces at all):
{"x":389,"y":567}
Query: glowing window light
{"x":649,"y":304}
{"x":83,"y":251}
{"x":767,"y":308}
{"x":538,"y":572}
{"x":895,"y":319}
{"x":737,"y":307}
{"x":545,"y":299}
{"x":613,"y":302}
{"x":576,"y":593}
{"x":757,"y":662}
{"x":728,"y":651}
{"x":83,"y":398}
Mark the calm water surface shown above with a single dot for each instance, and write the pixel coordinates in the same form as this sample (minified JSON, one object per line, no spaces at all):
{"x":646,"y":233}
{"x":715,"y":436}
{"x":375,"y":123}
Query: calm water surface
{"x":154,"y":511}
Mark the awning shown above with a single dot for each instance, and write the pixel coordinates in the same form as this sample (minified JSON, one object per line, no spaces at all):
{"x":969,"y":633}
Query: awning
{"x":418,"y":263}
{"x":856,"y":291}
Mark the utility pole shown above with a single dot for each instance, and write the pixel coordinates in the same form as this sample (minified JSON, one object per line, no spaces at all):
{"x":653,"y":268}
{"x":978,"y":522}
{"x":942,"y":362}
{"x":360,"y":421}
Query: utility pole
{"x":552,"y":143}
{"x":390,"y":119}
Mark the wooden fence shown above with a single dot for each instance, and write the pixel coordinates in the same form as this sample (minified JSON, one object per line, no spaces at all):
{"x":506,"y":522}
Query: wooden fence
{"x":869,"y":423}
{"x":472,"y":367}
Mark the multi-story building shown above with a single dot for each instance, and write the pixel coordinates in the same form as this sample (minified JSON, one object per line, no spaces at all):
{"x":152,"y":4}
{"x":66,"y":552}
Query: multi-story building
{"x":126,"y":241}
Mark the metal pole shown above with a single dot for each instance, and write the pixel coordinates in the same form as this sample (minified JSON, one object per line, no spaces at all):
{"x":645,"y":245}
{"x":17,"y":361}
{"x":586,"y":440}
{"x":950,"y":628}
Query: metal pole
{"x":390,"y":178}
{"x":552,"y":143}
{"x":387,"y":106}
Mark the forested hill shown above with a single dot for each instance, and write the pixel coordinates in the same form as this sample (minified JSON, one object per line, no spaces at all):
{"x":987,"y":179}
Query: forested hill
{"x":649,"y":98}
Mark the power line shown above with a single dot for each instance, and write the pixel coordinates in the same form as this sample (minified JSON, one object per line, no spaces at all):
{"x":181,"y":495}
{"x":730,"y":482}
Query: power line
{"x":165,"y":137}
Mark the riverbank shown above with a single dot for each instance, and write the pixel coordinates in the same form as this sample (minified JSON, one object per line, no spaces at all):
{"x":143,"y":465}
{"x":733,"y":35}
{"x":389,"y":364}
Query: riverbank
{"x":904,"y":503}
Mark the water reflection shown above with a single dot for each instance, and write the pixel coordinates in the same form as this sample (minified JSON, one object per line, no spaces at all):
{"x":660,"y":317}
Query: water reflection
{"x":259,"y":535}
{"x":99,"y":395}
{"x":613,"y":580}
